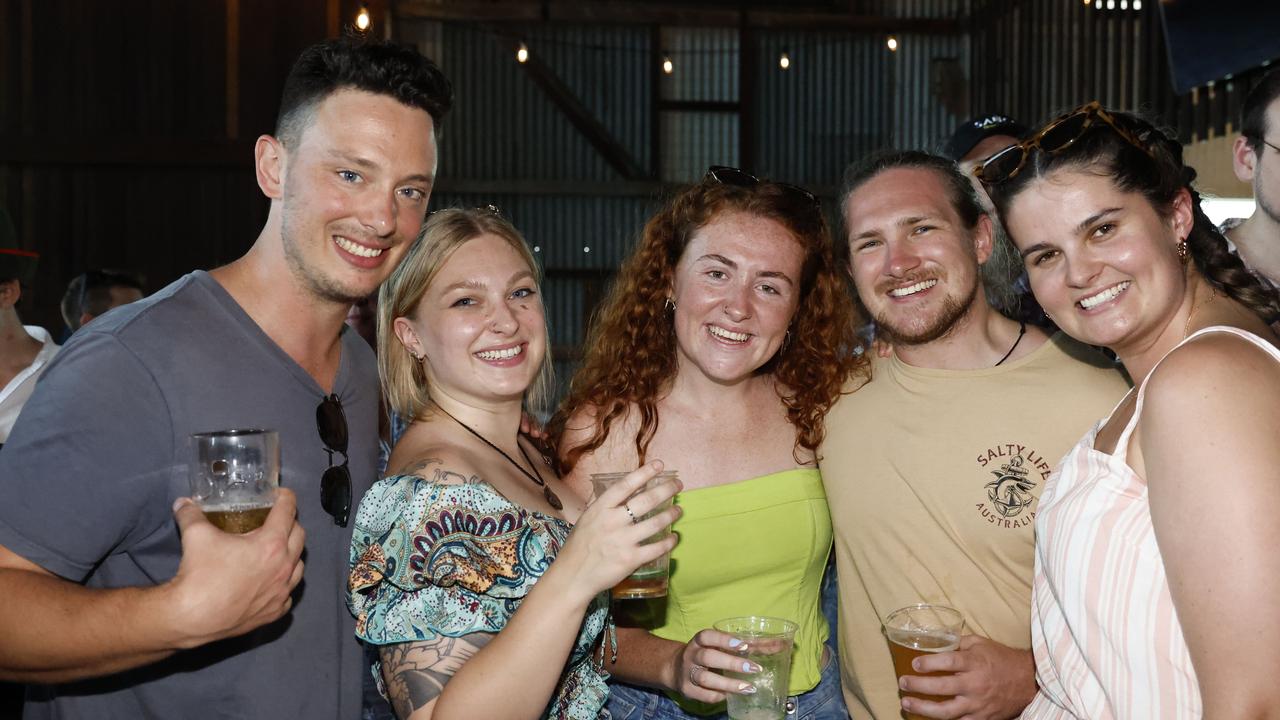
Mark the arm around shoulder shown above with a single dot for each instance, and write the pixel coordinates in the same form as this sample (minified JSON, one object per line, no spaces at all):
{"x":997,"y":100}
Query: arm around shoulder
{"x":1207,"y":436}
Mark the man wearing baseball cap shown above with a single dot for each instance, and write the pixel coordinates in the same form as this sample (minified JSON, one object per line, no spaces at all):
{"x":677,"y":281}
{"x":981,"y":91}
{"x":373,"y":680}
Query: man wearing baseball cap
{"x":1005,"y":280}
{"x":25,"y":350}
{"x":978,"y":139}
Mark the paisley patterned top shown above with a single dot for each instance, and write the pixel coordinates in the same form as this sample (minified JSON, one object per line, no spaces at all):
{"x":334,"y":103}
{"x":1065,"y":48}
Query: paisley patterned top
{"x":431,"y":559}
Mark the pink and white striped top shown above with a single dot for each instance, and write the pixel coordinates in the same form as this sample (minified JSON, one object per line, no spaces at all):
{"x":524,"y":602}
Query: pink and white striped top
{"x":1106,"y":639}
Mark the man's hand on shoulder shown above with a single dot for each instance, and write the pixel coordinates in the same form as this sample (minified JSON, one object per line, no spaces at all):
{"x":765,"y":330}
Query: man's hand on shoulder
{"x":987,"y":681}
{"x":229,"y":584}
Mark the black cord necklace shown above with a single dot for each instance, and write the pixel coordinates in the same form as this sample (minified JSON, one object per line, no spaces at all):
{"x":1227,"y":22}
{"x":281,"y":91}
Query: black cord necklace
{"x":552,"y":500}
{"x":1022,"y":330}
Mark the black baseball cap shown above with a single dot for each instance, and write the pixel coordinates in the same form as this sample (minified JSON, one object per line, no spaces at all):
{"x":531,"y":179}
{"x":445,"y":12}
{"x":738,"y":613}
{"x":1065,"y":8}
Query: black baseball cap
{"x":974,"y":131}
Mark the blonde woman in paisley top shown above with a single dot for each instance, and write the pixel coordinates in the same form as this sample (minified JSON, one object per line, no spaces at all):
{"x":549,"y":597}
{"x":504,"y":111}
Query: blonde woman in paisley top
{"x":465,"y":572}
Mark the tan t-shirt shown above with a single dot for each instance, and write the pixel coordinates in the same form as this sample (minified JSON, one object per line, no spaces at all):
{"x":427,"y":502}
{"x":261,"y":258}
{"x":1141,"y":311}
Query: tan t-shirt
{"x":933,"y":477}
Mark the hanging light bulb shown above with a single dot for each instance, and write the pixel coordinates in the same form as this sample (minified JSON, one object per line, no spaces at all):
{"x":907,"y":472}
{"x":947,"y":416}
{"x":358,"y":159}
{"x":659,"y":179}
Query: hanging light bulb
{"x":1124,"y":4}
{"x":1086,"y":2}
{"x":892,"y":44}
{"x":522,"y":53}
{"x":667,"y":66}
{"x":784,"y":61}
{"x":362,"y":18}
{"x":1137,"y":4}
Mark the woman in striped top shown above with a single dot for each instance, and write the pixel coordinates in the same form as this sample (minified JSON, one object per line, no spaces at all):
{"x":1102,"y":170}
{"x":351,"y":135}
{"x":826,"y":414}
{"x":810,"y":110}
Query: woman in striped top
{"x":1157,"y":571}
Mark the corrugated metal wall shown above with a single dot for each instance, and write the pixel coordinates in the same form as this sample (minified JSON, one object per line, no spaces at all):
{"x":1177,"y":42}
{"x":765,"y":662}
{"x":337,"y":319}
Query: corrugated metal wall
{"x":1040,"y":57}
{"x":504,"y":127}
{"x":824,"y":110}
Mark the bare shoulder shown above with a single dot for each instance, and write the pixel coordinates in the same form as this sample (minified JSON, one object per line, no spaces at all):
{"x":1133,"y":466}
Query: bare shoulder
{"x":1216,"y":396}
{"x":617,"y":451}
{"x":618,"y":445}
{"x":432,"y":457}
{"x":1212,"y":369}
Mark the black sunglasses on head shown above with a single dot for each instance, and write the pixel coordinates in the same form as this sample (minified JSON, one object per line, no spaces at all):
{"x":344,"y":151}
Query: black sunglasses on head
{"x":335,"y":484}
{"x":726,"y":175}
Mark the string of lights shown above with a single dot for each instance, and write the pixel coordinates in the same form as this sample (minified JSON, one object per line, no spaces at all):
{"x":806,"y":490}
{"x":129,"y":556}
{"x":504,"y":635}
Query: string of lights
{"x":668,"y":58}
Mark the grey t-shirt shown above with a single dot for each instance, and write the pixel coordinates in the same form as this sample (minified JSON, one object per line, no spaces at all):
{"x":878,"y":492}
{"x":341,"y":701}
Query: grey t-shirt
{"x":95,"y":462}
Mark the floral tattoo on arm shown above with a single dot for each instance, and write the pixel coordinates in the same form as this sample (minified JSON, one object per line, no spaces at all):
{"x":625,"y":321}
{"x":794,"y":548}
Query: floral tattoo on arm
{"x":415,"y":673}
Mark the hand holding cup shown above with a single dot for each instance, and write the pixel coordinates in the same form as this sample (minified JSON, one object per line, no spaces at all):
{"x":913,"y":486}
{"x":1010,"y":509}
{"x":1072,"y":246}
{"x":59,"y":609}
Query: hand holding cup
{"x":610,"y":539}
{"x":228,"y":584}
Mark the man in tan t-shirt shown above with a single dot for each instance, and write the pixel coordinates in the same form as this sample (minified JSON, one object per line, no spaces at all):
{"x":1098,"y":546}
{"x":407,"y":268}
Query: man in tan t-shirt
{"x":934,"y":466}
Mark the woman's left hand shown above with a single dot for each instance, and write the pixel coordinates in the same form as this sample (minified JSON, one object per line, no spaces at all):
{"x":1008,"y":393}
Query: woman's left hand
{"x":695,"y":670}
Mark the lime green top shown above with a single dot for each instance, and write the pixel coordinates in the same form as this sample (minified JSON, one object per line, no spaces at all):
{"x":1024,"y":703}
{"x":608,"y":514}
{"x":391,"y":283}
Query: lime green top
{"x":753,"y":547}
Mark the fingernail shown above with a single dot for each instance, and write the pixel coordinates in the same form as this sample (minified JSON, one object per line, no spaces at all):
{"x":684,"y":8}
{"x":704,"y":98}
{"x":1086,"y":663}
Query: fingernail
{"x":915,"y":664}
{"x":179,"y":503}
{"x":734,"y":642}
{"x":750,"y":667}
{"x":747,"y":689}
{"x":901,"y":686}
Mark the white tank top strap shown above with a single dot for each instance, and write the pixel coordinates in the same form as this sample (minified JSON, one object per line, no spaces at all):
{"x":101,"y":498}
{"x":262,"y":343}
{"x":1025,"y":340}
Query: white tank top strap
{"x":1122,"y":444}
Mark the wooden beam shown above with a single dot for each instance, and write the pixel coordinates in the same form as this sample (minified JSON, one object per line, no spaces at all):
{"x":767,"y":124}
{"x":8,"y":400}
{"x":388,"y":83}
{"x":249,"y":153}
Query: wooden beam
{"x":686,"y":14}
{"x":579,"y":115}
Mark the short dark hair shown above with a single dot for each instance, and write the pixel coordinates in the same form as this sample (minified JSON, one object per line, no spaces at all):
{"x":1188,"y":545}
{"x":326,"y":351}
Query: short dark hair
{"x":90,"y":292}
{"x":963,"y":196}
{"x":1253,"y":114}
{"x":360,"y":63}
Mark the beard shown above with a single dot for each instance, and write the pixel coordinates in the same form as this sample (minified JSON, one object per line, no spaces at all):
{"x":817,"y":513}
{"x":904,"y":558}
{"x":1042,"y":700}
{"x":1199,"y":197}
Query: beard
{"x":313,"y":279}
{"x":944,"y":321}
{"x":1263,"y":201}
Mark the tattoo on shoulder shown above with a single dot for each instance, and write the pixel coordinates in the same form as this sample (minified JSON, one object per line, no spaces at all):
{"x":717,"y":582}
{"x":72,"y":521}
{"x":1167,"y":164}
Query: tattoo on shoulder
{"x":417,"y":467}
{"x":415,"y":673}
{"x":440,"y":475}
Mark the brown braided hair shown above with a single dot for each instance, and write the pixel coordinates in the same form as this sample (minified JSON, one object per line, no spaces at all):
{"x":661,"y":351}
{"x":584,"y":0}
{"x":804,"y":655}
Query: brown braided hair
{"x":1159,"y":174}
{"x":631,"y":348}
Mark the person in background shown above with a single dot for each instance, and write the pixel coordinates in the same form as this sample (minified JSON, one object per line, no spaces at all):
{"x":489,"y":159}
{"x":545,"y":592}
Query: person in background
{"x":363,"y":319}
{"x":724,"y":340}
{"x":92,"y":293}
{"x":111,"y":608}
{"x":1255,"y":157}
{"x":1003,"y":278}
{"x":464,"y":573}
{"x":934,"y":466}
{"x":25,"y":350}
{"x":1156,"y":565}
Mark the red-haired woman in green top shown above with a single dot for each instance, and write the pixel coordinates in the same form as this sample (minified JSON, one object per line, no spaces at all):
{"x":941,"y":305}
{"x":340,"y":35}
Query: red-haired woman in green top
{"x":726,"y":338}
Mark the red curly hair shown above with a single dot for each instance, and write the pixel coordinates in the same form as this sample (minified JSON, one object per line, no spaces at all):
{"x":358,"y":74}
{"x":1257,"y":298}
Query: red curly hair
{"x":631,"y":348}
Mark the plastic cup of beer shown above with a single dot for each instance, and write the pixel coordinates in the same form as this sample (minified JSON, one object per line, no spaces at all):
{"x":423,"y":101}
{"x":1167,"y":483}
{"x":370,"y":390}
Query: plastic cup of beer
{"x":918,"y":630}
{"x":650,"y":579}
{"x":234,"y":476}
{"x":768,"y":642}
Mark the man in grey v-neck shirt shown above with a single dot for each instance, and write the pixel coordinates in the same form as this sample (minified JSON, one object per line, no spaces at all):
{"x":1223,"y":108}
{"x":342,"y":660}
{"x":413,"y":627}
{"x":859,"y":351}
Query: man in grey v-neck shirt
{"x":111,"y":608}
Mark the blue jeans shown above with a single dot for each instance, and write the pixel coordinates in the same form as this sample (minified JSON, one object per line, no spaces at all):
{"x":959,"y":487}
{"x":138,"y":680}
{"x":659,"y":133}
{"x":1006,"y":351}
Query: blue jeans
{"x":824,"y":702}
